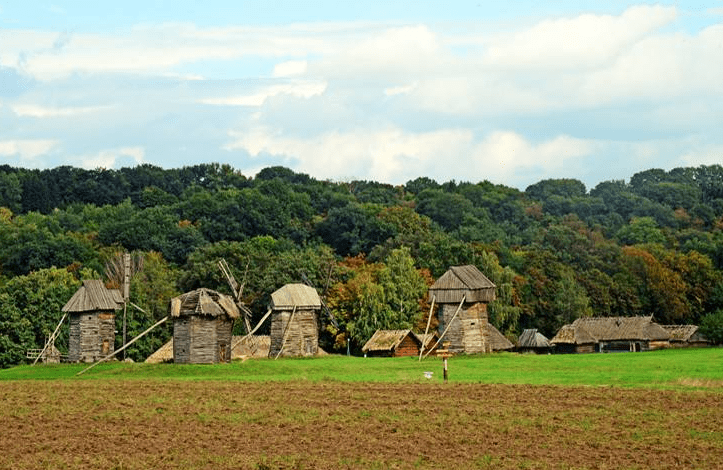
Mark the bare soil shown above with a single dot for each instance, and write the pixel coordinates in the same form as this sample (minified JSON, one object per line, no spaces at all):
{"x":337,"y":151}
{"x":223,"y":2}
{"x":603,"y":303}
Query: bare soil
{"x":218,"y":425}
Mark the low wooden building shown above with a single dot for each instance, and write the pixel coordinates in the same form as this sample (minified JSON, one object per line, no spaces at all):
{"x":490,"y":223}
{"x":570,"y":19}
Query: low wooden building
{"x":295,"y":321}
{"x":611,"y":334}
{"x":468,"y":287}
{"x":686,"y":336}
{"x":393,"y":343}
{"x":532,"y":341}
{"x":91,"y":312}
{"x":202,"y":326}
{"x":496,"y":341}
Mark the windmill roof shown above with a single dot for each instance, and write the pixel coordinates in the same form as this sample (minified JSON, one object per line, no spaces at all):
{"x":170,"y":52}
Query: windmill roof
{"x":295,"y":295}
{"x":463,"y":277}
{"x":92,"y":296}
{"x":204,"y":302}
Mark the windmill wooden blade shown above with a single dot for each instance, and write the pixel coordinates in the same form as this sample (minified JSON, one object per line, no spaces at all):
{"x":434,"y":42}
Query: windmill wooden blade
{"x":223,"y":265}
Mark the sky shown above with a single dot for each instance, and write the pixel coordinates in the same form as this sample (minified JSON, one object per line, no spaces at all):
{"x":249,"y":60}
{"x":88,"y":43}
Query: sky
{"x":509,"y":92}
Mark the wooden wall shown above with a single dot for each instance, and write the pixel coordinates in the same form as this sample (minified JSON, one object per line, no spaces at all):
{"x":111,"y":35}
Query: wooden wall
{"x":199,"y":339}
{"x":467,"y":331}
{"x":302,"y":337}
{"x":92,"y":336}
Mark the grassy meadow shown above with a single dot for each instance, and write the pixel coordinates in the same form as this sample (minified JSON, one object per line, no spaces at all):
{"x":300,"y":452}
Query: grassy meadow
{"x":665,"y":369}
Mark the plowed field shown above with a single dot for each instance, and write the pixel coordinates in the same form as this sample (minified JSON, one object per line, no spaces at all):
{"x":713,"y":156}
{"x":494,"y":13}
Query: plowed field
{"x":219,"y":425}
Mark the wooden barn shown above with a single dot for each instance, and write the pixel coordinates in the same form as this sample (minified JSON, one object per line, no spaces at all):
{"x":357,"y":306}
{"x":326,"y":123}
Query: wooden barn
{"x":686,"y":336}
{"x":91,"y":312}
{"x":611,"y":334}
{"x":466,"y":326}
{"x":393,"y":343}
{"x":532,"y":341}
{"x":202,"y":327}
{"x":295,"y":321}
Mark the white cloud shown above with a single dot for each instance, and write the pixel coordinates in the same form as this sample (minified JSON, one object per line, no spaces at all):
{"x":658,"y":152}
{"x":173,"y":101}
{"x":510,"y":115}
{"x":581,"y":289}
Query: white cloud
{"x":26,"y":150}
{"x":299,"y":90}
{"x":399,"y":90}
{"x":290,"y":68}
{"x":703,"y":155}
{"x":37,"y":111}
{"x":393,"y":155}
{"x":107,"y":158}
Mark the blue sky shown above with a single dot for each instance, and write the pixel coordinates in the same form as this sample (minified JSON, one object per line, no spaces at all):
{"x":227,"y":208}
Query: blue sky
{"x":510,"y":92}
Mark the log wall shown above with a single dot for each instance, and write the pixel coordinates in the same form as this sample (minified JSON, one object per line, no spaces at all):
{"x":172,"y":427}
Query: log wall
{"x":467,"y":331}
{"x":92,"y":336}
{"x":302,"y":338}
{"x":201,"y":339}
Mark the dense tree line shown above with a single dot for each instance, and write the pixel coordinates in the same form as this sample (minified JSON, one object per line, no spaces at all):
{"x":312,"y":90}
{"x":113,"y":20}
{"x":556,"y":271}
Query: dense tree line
{"x":557,"y":251}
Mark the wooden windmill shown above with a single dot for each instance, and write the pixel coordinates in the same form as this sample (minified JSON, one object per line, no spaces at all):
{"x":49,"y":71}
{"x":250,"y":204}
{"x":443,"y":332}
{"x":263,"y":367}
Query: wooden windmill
{"x":237,"y":292}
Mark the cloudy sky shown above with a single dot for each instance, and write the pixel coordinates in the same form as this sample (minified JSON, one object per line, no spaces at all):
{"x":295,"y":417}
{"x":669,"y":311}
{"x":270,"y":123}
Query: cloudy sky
{"x":510,"y":92}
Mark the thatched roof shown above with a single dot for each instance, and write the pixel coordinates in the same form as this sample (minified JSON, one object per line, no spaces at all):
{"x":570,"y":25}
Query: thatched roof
{"x":683,"y":333}
{"x":162,"y":354}
{"x":295,"y":295}
{"x":531,"y":338}
{"x":569,"y":334}
{"x":458,"y":281}
{"x":93,"y":296}
{"x":254,"y":346}
{"x":497,"y":340}
{"x":594,"y":329}
{"x":204,"y":302}
{"x":429,"y":340}
{"x":388,"y":340}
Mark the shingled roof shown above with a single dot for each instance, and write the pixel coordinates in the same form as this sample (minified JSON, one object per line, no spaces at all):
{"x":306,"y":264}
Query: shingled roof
{"x":467,"y":281}
{"x":93,"y":296}
{"x":295,"y":295}
{"x":204,"y":302}
{"x":497,"y":340}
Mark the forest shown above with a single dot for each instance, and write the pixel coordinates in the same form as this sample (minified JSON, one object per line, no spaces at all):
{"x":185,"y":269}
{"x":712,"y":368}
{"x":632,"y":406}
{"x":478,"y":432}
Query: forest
{"x":652,"y":245}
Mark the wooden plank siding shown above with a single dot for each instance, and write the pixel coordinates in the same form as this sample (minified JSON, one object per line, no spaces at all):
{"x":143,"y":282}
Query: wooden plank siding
{"x":202,"y":339}
{"x":302,"y":337}
{"x":92,"y":336}
{"x":467,"y":331}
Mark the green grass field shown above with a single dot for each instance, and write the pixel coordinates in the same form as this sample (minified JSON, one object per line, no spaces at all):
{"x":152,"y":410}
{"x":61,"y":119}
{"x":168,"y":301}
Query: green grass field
{"x":667,"y":369}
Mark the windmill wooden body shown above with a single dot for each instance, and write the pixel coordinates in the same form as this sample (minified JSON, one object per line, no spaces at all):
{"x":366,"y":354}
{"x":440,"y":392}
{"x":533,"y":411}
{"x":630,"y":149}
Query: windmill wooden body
{"x":202,"y":326}
{"x":295,"y":321}
{"x":462,"y":294}
{"x":92,"y":321}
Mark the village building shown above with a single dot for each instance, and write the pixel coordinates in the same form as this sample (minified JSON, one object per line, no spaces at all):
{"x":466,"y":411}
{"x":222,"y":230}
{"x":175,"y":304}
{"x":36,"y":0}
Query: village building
{"x":462,"y":294}
{"x":91,"y":312}
{"x":686,"y":336}
{"x":202,"y":326}
{"x":242,"y":347}
{"x":611,"y":334}
{"x":396,"y":343}
{"x":532,"y":341}
{"x":295,"y":321}
{"x":496,"y":341}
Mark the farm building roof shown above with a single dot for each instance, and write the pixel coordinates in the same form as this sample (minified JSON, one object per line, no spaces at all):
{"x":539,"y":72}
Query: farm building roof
{"x":388,"y":340}
{"x":531,"y":338}
{"x":497,"y":340}
{"x":204,"y":302}
{"x":92,"y":296}
{"x":467,"y":281}
{"x":295,"y":295}
{"x":683,"y":333}
{"x":594,"y":329}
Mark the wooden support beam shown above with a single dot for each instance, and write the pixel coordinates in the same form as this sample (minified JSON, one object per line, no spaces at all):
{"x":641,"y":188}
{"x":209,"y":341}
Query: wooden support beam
{"x":124,"y":347}
{"x":51,"y":340}
{"x":254,"y":330}
{"x":286,"y":333}
{"x":449,"y":323}
{"x":429,"y":321}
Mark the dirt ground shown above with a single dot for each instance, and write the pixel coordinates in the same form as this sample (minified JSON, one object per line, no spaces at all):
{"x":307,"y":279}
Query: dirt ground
{"x":218,"y":425}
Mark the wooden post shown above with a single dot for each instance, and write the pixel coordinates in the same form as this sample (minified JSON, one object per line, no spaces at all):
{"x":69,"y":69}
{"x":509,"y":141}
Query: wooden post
{"x":445,"y":354}
{"x":446,"y":373}
{"x":126,"y":293}
{"x":124,"y":347}
{"x":286,"y":333}
{"x":449,"y":323}
{"x":429,"y":321}
{"x":252,"y":331}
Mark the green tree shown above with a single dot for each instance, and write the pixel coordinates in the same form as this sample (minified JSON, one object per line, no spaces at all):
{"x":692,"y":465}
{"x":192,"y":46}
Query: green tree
{"x":712,"y":327}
